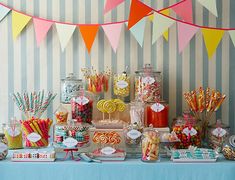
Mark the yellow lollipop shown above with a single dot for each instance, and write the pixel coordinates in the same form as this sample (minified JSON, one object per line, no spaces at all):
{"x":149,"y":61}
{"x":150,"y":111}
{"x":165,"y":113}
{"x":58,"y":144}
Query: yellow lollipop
{"x":109,"y":106}
{"x":100,"y":105}
{"x":121,"y":106}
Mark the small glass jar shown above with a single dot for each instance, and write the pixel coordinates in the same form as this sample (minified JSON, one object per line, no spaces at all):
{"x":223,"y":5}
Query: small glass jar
{"x":69,"y":86}
{"x":157,"y":114}
{"x":148,"y":85}
{"x":3,"y":146}
{"x":121,"y":84}
{"x":150,"y":145}
{"x":217,"y":134}
{"x":228,"y":148}
{"x":132,"y":134}
{"x":61,"y":114}
{"x":137,"y":113}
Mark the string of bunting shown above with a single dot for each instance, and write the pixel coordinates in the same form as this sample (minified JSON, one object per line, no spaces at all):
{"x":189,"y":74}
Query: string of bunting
{"x":139,"y":13}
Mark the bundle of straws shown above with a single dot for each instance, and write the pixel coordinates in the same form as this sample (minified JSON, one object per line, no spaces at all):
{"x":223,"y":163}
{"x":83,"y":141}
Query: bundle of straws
{"x":33,"y":104}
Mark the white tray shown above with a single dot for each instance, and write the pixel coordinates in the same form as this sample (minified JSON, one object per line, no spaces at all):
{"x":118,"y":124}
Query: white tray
{"x":194,"y":160}
{"x":32,"y":160}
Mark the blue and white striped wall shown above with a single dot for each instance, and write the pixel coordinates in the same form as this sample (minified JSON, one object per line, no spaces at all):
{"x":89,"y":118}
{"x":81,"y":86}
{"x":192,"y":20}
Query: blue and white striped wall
{"x":24,"y":66}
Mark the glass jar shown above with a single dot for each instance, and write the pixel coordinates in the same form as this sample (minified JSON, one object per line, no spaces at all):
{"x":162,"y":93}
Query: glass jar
{"x":61,"y":114}
{"x":132,"y":134}
{"x":228,"y":148}
{"x":137,"y":113}
{"x":148,"y":85}
{"x":13,"y":134}
{"x":121,"y":84}
{"x":82,"y":106}
{"x":69,"y":86}
{"x":217,"y":134}
{"x":157,"y":114}
{"x":3,"y":146}
{"x":150,"y":145}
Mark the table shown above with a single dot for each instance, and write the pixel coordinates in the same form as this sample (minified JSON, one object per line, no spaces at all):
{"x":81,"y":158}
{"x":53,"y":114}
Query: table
{"x":126,"y":170}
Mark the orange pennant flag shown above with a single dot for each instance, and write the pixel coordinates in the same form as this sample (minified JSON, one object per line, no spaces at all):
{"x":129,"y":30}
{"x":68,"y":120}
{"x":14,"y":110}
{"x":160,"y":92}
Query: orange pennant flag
{"x":138,"y":10}
{"x":88,"y":34}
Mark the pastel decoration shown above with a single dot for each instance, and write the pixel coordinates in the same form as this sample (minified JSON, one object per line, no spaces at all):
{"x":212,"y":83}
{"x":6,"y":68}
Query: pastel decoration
{"x":232,"y":36}
{"x":184,"y":11}
{"x":167,"y":13}
{"x":111,"y":4}
{"x":151,"y":17}
{"x":210,"y":5}
{"x":3,"y":12}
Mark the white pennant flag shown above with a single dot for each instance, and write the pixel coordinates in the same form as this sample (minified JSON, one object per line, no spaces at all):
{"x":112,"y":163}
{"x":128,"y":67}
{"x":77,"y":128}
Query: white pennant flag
{"x":3,"y":12}
{"x":210,"y":5}
{"x":65,"y":32}
{"x":232,"y":36}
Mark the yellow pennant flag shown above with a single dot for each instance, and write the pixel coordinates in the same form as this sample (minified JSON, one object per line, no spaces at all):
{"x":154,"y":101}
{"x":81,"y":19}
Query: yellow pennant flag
{"x":151,"y":17}
{"x":19,"y":21}
{"x":167,"y":13}
{"x":212,"y":38}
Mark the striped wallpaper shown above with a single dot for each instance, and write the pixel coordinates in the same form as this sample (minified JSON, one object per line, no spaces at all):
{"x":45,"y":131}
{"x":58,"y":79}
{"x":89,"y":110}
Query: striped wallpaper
{"x":24,"y":66}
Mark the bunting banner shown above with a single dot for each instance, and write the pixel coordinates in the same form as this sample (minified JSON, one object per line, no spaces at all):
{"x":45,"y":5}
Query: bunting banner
{"x":185,"y":34}
{"x":19,"y":21}
{"x":212,"y":38}
{"x":167,"y":13}
{"x":232,"y":36}
{"x":88,"y":34}
{"x":65,"y":32}
{"x":210,"y":5}
{"x":111,"y":4}
{"x":138,"y":10}
{"x":3,"y":12}
{"x":41,"y":28}
{"x":184,"y":11}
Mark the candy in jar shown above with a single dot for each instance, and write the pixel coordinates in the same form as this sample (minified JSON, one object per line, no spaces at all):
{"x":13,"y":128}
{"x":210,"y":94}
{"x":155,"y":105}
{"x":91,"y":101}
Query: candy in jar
{"x":3,"y":146}
{"x":61,"y":114}
{"x":121,"y":84}
{"x":132,"y":134}
{"x":150,"y":145}
{"x":228,"y":148}
{"x":137,"y":113}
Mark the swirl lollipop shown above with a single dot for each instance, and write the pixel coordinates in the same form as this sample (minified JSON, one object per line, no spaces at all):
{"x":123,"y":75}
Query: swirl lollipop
{"x":109,"y":106}
{"x":100,"y":106}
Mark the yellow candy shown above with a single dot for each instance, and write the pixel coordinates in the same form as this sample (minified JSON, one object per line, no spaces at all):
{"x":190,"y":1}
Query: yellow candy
{"x":121,"y":85}
{"x":109,"y":106}
{"x":121,"y":106}
{"x":100,"y":105}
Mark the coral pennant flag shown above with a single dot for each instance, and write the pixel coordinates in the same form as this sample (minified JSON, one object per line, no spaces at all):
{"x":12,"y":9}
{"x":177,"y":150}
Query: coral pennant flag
{"x":113,"y":31}
{"x":111,"y":4}
{"x":212,"y":38}
{"x":184,"y":10}
{"x":232,"y":36}
{"x":210,"y":5}
{"x":41,"y":28}
{"x":19,"y":21}
{"x":167,"y":13}
{"x":3,"y":12}
{"x":88,"y":34}
{"x":185,"y":34}
{"x":137,"y":11}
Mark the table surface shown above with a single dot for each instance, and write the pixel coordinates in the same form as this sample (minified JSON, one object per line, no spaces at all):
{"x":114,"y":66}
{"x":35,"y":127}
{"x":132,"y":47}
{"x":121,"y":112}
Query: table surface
{"x":123,"y":170}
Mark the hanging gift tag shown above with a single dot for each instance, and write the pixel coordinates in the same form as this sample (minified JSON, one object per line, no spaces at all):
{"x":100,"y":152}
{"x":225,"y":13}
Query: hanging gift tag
{"x":13,"y":133}
{"x":3,"y":147}
{"x":219,"y":132}
{"x":190,"y":132}
{"x":133,"y":134}
{"x":122,"y":84}
{"x":70,"y":142}
{"x":108,"y":150}
{"x":157,"y":107}
{"x":82,"y":100}
{"x":148,"y":80}
{"x":34,"y":137}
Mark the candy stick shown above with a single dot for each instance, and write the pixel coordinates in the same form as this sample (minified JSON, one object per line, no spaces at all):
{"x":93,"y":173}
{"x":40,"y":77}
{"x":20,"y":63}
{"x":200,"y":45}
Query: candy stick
{"x":27,"y":130}
{"x":39,"y":143}
{"x":40,"y":132}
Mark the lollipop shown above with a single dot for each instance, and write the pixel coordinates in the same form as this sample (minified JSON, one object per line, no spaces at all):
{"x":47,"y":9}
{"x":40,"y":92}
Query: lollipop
{"x":121,"y":106}
{"x":109,"y":106}
{"x":100,"y":105}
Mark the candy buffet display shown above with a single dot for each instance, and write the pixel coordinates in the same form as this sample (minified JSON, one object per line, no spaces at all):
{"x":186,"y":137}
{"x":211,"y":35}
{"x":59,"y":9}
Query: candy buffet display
{"x":228,"y":148}
{"x":121,"y":84}
{"x":61,"y":114}
{"x":69,"y":86}
{"x":217,"y":134}
{"x":36,"y":132}
{"x":150,"y":145}
{"x":148,"y":85}
{"x":72,"y":135}
{"x":137,"y":112}
{"x":3,"y":146}
{"x":132,"y":134}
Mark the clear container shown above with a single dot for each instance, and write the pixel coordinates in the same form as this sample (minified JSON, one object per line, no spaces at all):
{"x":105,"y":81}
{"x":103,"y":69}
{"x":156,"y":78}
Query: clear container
{"x":137,"y":113}
{"x":69,"y":86}
{"x":217,"y":134}
{"x":61,"y":114}
{"x":228,"y":149}
{"x":148,"y":85}
{"x":132,"y":135}
{"x":150,"y":145}
{"x":121,"y":84}
{"x":3,"y":146}
{"x":13,"y":134}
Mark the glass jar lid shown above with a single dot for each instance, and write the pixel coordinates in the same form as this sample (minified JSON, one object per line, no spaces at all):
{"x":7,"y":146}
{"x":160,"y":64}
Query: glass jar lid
{"x":147,"y":69}
{"x":71,"y":77}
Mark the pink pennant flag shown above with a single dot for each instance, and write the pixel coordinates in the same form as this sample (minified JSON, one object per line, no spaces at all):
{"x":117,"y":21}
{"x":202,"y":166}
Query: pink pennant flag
{"x":113,"y":32}
{"x":111,"y":4}
{"x":41,"y":28}
{"x":184,"y":10}
{"x":185,"y":34}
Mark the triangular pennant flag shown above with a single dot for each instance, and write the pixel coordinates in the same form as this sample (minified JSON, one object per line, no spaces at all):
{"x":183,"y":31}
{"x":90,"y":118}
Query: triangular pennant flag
{"x":212,"y":38}
{"x":184,"y":10}
{"x":185,"y":34}
{"x":41,"y":28}
{"x":65,"y":32}
{"x":210,"y":5}
{"x":232,"y":35}
{"x":160,"y":25}
{"x":167,"y":13}
{"x":151,"y":17}
{"x":137,"y":12}
{"x":19,"y":21}
{"x":138,"y":31}
{"x":3,"y":12}
{"x":113,"y":32}
{"x":111,"y":4}
{"x":88,"y":34}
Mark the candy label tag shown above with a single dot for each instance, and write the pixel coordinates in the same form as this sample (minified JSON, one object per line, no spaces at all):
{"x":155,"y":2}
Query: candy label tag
{"x":122,"y":84}
{"x":13,"y":133}
{"x":3,"y":147}
{"x":70,"y":142}
{"x":219,"y":132}
{"x":133,"y":134}
{"x":108,"y":150}
{"x":82,"y":100}
{"x":157,"y":107}
{"x":190,"y":132}
{"x":148,"y":80}
{"x":33,"y":137}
